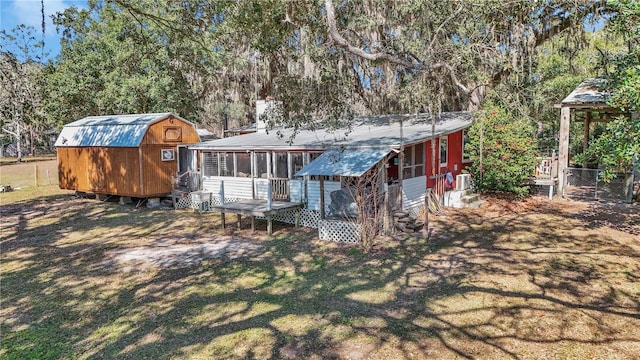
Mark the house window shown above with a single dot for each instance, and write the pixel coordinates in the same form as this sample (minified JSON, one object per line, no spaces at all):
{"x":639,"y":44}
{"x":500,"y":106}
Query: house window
{"x":413,"y":161}
{"x":465,"y":151}
{"x":443,"y":151}
{"x":210,"y":164}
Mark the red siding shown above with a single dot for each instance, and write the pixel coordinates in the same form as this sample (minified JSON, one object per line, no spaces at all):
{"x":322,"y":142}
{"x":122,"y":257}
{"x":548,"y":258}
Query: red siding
{"x":454,"y":161}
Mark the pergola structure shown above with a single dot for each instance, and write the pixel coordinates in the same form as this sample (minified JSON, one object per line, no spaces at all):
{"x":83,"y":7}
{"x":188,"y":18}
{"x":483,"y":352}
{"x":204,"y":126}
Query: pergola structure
{"x":587,"y":103}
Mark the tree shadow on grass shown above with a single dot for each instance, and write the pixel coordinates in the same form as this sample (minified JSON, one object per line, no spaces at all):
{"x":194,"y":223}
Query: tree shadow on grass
{"x":486,"y":285}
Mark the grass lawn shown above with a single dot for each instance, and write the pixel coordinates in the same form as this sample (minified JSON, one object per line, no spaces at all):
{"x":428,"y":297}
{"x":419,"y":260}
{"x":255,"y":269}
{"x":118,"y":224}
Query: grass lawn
{"x":23,"y":174}
{"x":537,"y":279}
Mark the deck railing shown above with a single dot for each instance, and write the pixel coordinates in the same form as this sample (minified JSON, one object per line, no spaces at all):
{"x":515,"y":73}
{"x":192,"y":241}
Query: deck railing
{"x":280,"y":189}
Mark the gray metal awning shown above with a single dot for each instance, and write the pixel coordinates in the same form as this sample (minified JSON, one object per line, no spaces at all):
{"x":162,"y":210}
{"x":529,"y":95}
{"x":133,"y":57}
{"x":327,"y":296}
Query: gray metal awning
{"x":344,"y":163}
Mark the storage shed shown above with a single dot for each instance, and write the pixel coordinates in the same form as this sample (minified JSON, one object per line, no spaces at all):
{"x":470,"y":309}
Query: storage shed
{"x":127,"y":155}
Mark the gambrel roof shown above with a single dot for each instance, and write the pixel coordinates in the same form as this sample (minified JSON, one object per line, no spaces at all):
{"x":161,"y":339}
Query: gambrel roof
{"x":110,"y":130}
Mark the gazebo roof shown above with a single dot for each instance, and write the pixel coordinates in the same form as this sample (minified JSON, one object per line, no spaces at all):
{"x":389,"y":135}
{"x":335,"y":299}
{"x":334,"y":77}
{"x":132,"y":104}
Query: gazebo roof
{"x":590,"y":93}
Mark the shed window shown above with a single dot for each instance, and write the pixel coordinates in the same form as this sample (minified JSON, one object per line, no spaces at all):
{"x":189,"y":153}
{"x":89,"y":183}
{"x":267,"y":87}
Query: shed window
{"x":172,"y":133}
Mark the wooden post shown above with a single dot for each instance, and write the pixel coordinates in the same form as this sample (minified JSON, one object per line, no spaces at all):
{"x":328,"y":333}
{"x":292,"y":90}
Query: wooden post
{"x":585,"y":138}
{"x":239,"y":217}
{"x":269,"y":225}
{"x":253,"y":224}
{"x":401,"y":166}
{"x":563,"y":149}
{"x":269,"y":195}
{"x":427,"y":198}
{"x":48,"y":177}
{"x":321,"y":197}
{"x":222,"y":220}
{"x":222,"y":192}
{"x":385,"y":215}
{"x":35,"y":174}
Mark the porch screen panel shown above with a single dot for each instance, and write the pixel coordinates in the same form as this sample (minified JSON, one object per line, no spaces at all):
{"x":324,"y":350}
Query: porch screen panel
{"x":210,"y":164}
{"x":280,"y":165}
{"x":261,"y":165}
{"x":297,"y":161}
{"x":243,"y":161}
{"x":226,"y":164}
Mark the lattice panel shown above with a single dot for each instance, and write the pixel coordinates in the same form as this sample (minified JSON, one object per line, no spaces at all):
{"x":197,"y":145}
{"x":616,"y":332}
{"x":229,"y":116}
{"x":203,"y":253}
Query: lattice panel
{"x":184,"y":203}
{"x":415,"y":211}
{"x":339,"y":231}
{"x":215,"y":201}
{"x":287,"y":217}
{"x":308,"y":218}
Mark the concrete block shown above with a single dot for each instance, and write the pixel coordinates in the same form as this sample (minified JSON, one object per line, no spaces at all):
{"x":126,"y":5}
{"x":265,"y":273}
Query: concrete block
{"x":125,"y":200}
{"x":153,"y":203}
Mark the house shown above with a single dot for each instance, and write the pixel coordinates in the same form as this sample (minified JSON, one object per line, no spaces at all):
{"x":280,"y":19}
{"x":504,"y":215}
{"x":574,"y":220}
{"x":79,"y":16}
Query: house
{"x":126,"y":155}
{"x":264,"y":165}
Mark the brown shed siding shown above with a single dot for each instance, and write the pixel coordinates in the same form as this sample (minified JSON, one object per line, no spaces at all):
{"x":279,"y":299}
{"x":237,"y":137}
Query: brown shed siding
{"x":99,"y":170}
{"x":156,"y":174}
{"x":164,"y":130}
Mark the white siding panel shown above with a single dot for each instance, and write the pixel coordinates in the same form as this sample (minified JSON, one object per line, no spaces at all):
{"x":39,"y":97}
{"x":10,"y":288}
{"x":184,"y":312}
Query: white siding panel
{"x":313,"y":192}
{"x":234,"y":187}
{"x":413,"y":192}
{"x":262,"y":188}
{"x":296,"y":190}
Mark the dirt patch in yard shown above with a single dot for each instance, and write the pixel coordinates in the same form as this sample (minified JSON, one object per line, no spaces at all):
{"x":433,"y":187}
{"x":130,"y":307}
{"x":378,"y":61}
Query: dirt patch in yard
{"x":177,"y":252}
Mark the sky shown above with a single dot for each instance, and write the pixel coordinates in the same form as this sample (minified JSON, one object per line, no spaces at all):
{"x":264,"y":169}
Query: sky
{"x":15,"y":12}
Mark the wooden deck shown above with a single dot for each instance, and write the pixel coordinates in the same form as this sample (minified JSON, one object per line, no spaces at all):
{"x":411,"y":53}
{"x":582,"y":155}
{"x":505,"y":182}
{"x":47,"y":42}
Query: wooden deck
{"x":255,"y":208}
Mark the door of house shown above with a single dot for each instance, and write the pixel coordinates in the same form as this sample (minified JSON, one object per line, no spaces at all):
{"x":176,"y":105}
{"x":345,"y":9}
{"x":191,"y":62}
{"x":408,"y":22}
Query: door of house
{"x":188,"y":177}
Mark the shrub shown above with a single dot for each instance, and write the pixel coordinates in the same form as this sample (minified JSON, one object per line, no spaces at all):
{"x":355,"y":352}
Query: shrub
{"x":503,"y":151}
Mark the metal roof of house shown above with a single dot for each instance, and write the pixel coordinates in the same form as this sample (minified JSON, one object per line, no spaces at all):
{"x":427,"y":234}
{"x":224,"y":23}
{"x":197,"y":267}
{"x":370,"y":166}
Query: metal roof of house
{"x":343,"y":163}
{"x":367,"y":132}
{"x":588,"y":92}
{"x":109,"y":130}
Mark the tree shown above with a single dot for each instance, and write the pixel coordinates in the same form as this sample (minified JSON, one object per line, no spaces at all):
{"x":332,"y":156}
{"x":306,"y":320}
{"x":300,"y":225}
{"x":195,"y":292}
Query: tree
{"x":502,"y":151}
{"x":619,"y":145}
{"x":113,"y":62}
{"x":21,"y":86}
{"x":325,"y":59}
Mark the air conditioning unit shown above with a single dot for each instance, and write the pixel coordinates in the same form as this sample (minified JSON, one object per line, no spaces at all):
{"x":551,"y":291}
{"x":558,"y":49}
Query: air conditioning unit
{"x":463,"y":182}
